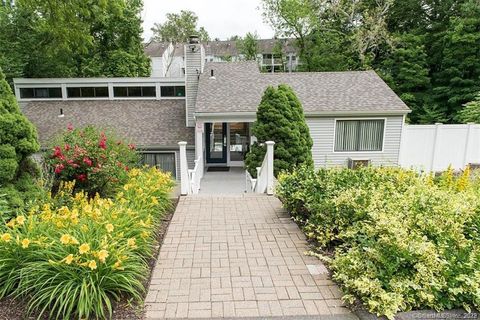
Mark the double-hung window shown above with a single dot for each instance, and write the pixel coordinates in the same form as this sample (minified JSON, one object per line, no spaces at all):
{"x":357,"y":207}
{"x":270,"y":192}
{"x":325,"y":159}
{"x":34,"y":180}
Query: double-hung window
{"x":359,"y":135}
{"x":164,"y":161}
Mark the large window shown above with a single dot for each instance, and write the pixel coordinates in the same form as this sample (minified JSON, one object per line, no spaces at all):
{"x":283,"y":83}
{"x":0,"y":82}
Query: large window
{"x":40,"y":93}
{"x":163,"y":161}
{"x":134,"y":91}
{"x":87,"y":92}
{"x":173,"y":91}
{"x":359,"y":135}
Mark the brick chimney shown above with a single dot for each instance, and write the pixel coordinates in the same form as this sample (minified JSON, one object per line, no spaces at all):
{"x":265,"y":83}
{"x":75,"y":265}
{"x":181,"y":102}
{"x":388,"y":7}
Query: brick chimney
{"x":194,"y":63}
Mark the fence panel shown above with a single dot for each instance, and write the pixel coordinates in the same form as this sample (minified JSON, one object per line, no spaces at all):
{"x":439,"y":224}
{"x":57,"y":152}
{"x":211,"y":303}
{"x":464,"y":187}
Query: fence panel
{"x":435,"y":147}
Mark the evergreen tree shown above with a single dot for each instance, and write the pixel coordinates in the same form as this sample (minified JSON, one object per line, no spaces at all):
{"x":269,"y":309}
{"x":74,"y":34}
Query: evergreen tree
{"x":405,"y":69}
{"x":457,"y":81}
{"x":18,"y":140}
{"x":280,"y":119}
{"x":470,"y":112}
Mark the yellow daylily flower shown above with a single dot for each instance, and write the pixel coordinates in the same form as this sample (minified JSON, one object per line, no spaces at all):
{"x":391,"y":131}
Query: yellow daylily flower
{"x":25,"y":243}
{"x":6,"y":237}
{"x":154,"y":200}
{"x":118,"y":266}
{"x":131,"y":242}
{"x":68,"y":259}
{"x":102,"y":255}
{"x":11,"y":223}
{"x":84,"y":248}
{"x":84,"y":228}
{"x":109,"y":227}
{"x":21,"y":220}
{"x":65,"y":239}
{"x":92,"y":265}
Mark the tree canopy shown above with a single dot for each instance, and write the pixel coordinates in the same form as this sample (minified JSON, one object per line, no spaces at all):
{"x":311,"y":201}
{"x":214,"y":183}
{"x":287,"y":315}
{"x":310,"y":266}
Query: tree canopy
{"x":179,"y":27}
{"x":428,"y":51}
{"x":248,"y":46}
{"x":73,"y":38}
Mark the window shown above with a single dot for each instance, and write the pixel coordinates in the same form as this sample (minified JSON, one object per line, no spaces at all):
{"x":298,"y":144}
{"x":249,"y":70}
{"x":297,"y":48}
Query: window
{"x":163,"y":161}
{"x":134,"y":91}
{"x":173,"y":91}
{"x":359,"y":135}
{"x":87,"y":92}
{"x":40,"y":93}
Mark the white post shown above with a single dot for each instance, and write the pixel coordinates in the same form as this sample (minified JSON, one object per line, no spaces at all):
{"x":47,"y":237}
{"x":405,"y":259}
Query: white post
{"x":270,"y":145}
{"x":434,"y":145}
{"x":467,"y":144}
{"x":184,"y":190}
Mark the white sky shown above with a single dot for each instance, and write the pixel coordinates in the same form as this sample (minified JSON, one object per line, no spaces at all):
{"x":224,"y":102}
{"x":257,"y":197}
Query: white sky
{"x":221,"y":18}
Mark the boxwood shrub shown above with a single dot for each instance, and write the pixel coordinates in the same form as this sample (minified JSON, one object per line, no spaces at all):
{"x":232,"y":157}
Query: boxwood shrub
{"x":398,"y":240}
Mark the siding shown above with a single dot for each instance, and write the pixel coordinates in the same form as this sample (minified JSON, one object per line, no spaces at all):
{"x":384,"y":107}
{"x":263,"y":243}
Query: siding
{"x":322,"y":132}
{"x":193,"y":65}
{"x":190,"y":161}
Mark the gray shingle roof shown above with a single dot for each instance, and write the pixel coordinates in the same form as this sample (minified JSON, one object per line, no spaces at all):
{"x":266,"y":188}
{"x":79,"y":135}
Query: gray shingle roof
{"x":221,"y":48}
{"x":147,"y":123}
{"x":239,"y":86}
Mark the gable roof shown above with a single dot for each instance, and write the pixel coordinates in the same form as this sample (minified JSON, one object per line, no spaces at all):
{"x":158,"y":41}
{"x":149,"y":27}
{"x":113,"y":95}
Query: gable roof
{"x":239,"y":86}
{"x":147,"y":123}
{"x":221,"y":48}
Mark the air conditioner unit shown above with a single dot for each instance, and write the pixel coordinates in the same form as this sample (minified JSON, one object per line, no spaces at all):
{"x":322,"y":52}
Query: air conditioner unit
{"x":357,"y":163}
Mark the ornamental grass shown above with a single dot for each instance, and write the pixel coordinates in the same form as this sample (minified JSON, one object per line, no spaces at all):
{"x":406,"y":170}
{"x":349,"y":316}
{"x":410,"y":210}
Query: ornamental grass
{"x":72,"y":256}
{"x":396,"y":240}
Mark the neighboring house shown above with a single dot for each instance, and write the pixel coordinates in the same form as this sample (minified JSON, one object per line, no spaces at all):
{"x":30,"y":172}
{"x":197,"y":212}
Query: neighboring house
{"x":352,"y":115}
{"x":168,"y":59}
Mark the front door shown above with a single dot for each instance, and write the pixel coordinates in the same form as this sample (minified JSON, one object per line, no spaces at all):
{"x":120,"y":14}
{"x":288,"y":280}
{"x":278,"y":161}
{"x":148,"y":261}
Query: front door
{"x":216,"y":142}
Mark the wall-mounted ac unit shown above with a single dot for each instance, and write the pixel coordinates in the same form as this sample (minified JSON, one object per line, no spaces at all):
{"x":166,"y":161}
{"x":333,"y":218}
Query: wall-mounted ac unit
{"x":357,"y":163}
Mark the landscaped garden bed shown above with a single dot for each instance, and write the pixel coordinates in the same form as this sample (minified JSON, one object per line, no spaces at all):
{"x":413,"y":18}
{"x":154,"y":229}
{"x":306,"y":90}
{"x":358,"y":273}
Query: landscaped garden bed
{"x":84,"y":245}
{"x":395,"y":240}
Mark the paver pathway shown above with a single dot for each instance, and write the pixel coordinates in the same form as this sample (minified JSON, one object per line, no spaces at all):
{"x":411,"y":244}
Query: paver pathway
{"x":238,"y":256}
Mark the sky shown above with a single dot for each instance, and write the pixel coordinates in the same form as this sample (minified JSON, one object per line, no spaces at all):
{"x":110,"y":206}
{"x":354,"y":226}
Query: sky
{"x":221,"y":18}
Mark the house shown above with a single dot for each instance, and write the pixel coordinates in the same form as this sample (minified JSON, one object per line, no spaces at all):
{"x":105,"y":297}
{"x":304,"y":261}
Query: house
{"x":352,"y":116}
{"x":167,"y":59}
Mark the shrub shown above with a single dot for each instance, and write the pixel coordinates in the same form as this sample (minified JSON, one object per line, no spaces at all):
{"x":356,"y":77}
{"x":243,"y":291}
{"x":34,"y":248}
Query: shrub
{"x":280,"y":119}
{"x":18,"y":140}
{"x":400,"y":240}
{"x":96,"y":160}
{"x":72,"y":256}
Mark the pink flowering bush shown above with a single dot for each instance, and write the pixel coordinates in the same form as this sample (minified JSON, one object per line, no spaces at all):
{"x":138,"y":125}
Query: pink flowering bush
{"x":96,"y":160}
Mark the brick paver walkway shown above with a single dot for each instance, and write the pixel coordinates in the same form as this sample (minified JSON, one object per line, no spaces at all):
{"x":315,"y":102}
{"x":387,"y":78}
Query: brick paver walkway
{"x":238,"y":256}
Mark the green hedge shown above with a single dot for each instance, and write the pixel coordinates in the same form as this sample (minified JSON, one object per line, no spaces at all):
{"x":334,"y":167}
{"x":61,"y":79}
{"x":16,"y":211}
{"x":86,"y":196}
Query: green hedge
{"x":400,"y":240}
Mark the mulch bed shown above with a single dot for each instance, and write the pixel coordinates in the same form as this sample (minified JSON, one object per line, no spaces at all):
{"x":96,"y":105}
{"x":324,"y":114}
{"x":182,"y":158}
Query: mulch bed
{"x":11,"y":309}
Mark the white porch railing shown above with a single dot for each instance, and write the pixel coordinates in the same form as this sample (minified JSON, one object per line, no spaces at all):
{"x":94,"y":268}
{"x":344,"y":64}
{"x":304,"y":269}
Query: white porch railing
{"x":264,"y":183}
{"x":190,"y":179}
{"x":195,"y":176}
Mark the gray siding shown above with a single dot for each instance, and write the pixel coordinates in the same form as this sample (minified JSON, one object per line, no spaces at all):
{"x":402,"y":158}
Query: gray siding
{"x":193,"y":65}
{"x":322,"y":132}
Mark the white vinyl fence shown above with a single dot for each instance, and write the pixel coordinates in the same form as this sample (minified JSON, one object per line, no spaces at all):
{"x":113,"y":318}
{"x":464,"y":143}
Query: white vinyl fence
{"x":435,"y":147}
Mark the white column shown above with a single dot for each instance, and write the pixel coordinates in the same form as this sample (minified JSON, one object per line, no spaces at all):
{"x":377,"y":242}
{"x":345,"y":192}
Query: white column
{"x":183,"y":168}
{"x":199,"y":128}
{"x":270,"y":176}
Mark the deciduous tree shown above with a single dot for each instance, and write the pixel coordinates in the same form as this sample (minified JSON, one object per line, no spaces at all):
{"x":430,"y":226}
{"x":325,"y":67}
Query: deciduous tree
{"x":178,"y":27}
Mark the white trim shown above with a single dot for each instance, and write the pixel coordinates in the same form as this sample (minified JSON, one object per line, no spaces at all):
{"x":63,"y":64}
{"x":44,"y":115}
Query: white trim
{"x":359,"y":118}
{"x":53,"y":81}
{"x":356,"y":113}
